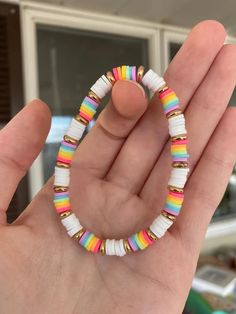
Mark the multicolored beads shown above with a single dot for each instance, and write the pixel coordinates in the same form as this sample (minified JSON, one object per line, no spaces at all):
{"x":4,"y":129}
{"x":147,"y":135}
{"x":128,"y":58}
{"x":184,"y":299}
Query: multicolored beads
{"x":169,"y":100}
{"x":175,"y":196}
{"x":62,"y":202}
{"x":174,"y":202}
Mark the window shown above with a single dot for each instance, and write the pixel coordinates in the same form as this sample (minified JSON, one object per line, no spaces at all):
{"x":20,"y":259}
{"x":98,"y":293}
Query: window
{"x":69,"y":61}
{"x":11,"y":90}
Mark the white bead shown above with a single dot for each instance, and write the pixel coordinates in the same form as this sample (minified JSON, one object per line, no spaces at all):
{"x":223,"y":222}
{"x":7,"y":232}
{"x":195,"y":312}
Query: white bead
{"x":76,"y":129}
{"x":153,"y":81}
{"x":105,"y":79}
{"x":160,"y":225}
{"x":109,"y":247}
{"x":122,"y":249}
{"x":62,"y":177}
{"x":148,"y":76}
{"x":72,"y":224}
{"x":177,"y":125}
{"x":178,"y":177}
{"x":112,"y":249}
{"x":117,"y":248}
{"x":101,"y":88}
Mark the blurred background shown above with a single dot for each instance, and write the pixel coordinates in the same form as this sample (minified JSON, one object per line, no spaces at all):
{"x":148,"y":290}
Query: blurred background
{"x":55,"y":49}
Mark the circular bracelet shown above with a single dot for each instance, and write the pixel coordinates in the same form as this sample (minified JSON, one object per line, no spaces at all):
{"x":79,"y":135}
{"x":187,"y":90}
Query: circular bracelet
{"x":175,"y":196}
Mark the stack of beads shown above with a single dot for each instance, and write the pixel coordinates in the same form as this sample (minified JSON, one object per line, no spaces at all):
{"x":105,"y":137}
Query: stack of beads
{"x":175,"y":196}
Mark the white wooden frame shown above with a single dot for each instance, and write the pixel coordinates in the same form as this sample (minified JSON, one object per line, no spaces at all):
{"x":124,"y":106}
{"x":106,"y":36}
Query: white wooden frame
{"x":34,"y":13}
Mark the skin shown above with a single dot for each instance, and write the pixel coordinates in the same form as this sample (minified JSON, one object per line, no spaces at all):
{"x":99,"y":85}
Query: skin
{"x":118,"y":185}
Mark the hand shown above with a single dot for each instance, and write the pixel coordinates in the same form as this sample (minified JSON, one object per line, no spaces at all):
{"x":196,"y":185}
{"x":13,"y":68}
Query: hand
{"x":118,"y":186}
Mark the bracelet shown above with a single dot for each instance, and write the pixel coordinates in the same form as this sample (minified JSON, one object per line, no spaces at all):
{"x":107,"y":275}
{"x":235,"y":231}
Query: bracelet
{"x":175,"y":196}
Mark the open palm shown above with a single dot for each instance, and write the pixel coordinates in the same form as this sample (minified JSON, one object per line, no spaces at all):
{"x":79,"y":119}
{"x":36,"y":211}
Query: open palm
{"x":118,"y":185}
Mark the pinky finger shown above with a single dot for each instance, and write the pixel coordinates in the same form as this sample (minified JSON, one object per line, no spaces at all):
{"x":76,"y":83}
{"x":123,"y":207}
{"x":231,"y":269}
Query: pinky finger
{"x":208,"y":182}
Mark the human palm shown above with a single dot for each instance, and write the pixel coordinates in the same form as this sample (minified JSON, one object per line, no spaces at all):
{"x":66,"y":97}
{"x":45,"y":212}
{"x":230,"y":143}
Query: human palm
{"x":118,"y":185}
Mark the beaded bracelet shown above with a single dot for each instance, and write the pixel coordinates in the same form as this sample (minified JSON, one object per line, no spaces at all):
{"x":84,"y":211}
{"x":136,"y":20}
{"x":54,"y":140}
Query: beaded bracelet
{"x":176,"y":121}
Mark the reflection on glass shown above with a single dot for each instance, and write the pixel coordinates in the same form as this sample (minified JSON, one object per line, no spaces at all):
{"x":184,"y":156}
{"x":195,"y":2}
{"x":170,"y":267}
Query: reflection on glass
{"x":69,"y":62}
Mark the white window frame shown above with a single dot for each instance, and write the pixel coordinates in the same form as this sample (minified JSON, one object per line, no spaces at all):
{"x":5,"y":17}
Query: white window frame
{"x":34,"y":13}
{"x":226,"y":227}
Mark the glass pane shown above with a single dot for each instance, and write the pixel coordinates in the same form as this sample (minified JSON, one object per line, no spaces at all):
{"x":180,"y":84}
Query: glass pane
{"x":69,"y":62}
{"x":227,"y":207}
{"x":173,"y":49}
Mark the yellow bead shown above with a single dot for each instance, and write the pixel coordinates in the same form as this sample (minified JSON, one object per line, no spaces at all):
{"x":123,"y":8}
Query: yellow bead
{"x":123,"y":72}
{"x":140,"y":73}
{"x":110,"y":78}
{"x":62,"y":165}
{"x":151,"y":235}
{"x":65,"y":214}
{"x":94,"y":96}
{"x":59,"y":189}
{"x":180,"y":137}
{"x":70,"y":140}
{"x":127,"y":246}
{"x":175,"y":189}
{"x":180,"y":164}
{"x":103,"y":248}
{"x":79,"y":234}
{"x":173,"y":113}
{"x":81,"y":120}
{"x":169,"y":216}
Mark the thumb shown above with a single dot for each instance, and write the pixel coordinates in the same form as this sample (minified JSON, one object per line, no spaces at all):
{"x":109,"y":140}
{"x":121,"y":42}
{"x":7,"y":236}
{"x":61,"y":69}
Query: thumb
{"x":21,"y":140}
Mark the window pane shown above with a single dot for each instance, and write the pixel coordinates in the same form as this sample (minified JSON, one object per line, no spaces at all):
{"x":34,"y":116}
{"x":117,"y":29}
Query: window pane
{"x":69,"y":62}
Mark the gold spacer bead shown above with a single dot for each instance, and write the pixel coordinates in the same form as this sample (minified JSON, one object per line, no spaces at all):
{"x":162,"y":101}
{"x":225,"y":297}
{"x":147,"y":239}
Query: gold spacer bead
{"x":167,"y":215}
{"x":79,"y":234}
{"x":62,"y":165}
{"x":140,"y":73}
{"x":103,"y":247}
{"x":180,"y":164}
{"x":151,"y":235}
{"x":65,"y":214}
{"x":162,"y":88}
{"x":173,"y":113}
{"x":179,"y":137}
{"x":175,"y":189}
{"x":94,"y":96}
{"x":59,"y":189}
{"x":127,"y":246}
{"x":81,"y":120}
{"x":70,"y":140}
{"x":110,"y":78}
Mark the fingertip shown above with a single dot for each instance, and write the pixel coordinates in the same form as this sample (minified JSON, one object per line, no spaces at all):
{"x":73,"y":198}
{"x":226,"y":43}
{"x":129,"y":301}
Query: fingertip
{"x":129,"y":99}
{"x":40,"y":114}
{"x":211,"y":26}
{"x":214,"y":35}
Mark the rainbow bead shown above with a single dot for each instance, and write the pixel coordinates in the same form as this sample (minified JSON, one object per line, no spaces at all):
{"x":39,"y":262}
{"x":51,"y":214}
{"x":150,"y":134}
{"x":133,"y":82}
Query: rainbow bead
{"x":90,"y":242}
{"x":173,"y":203}
{"x":88,"y":108}
{"x":169,"y":100}
{"x":62,"y":202}
{"x":66,"y":152}
{"x":125,"y":72}
{"x":139,"y":240}
{"x":179,"y":150}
